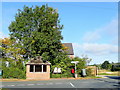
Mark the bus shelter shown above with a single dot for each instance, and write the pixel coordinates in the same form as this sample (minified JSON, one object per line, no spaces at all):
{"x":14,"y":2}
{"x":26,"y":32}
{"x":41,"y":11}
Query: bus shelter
{"x":37,"y":69}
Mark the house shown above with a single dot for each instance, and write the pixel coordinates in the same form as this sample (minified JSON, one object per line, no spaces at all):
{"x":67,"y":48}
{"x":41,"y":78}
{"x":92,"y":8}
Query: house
{"x":69,"y":49}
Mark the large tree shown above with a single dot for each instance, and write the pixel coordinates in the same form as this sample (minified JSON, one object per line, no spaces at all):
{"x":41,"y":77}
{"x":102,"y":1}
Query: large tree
{"x":106,"y":65}
{"x":38,"y":31}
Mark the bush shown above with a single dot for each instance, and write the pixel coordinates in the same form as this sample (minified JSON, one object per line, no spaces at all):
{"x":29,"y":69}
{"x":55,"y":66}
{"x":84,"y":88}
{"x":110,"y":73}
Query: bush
{"x":62,"y":75}
{"x":67,"y":73}
{"x":115,"y":68}
{"x":6,"y":73}
{"x":12,"y":72}
{"x":55,"y":75}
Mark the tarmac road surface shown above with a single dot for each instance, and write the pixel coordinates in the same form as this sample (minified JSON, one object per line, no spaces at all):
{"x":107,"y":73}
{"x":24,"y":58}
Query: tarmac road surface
{"x":108,"y":82}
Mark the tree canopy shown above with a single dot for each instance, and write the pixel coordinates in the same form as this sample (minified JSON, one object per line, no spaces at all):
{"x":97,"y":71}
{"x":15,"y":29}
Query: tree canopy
{"x":38,"y":31}
{"x":106,"y":65}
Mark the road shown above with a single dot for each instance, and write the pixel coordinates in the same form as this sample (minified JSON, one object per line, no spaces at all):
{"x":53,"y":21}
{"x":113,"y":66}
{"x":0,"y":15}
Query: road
{"x":108,"y":82}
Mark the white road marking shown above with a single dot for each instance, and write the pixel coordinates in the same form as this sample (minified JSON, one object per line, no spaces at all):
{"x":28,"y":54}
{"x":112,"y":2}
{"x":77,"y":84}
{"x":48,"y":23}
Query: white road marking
{"x":72,"y":84}
{"x":30,"y":84}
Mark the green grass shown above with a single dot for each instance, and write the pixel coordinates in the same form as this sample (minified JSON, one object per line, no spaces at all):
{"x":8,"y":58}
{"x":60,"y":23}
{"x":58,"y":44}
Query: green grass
{"x":92,"y":77}
{"x":106,"y":74}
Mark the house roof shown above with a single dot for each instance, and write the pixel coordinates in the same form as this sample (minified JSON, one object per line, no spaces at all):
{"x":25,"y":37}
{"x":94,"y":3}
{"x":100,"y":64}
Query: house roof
{"x":69,"y":49}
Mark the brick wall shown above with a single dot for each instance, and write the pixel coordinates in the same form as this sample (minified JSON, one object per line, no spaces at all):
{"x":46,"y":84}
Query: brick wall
{"x":37,"y":75}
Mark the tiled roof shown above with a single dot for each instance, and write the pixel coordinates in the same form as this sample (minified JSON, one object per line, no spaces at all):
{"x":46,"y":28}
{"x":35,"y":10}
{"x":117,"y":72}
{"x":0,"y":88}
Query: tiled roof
{"x":70,"y":48}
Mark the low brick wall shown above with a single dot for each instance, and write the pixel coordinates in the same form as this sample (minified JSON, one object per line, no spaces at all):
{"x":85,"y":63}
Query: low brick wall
{"x":38,"y":75}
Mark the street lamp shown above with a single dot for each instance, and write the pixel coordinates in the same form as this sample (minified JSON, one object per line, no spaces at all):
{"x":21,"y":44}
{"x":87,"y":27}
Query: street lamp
{"x":75,"y":62}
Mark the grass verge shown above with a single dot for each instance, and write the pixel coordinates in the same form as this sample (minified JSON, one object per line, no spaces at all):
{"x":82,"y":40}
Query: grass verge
{"x":108,"y":74}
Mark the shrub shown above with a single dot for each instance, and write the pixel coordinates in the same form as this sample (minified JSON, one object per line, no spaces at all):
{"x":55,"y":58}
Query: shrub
{"x":62,"y":75}
{"x":115,"y":68}
{"x":55,"y":75}
{"x":13,"y":72}
{"x":65,"y":75}
{"x":6,"y":73}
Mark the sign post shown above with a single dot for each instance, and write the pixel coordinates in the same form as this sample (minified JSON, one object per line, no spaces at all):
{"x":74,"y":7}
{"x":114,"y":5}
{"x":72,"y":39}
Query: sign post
{"x":75,"y":62}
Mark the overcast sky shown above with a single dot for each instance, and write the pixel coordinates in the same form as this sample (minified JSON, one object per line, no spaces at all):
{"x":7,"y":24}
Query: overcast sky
{"x":91,"y":27}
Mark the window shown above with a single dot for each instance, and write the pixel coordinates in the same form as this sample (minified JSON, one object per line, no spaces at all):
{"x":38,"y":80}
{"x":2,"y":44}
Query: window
{"x":44,"y":68}
{"x":31,"y":68}
{"x":38,"y":68}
